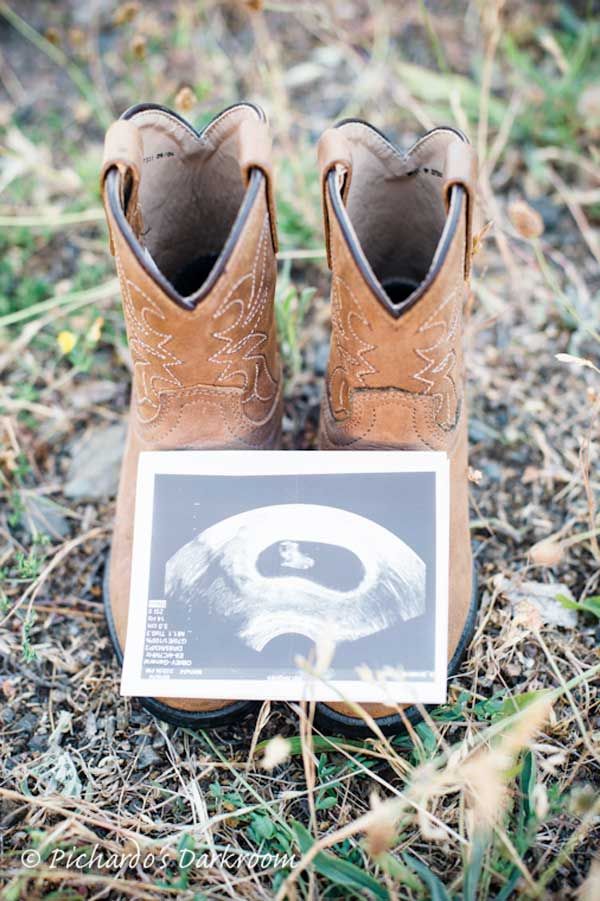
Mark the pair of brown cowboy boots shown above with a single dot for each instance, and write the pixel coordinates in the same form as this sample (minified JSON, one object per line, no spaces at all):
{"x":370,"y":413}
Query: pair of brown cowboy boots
{"x":192,"y":227}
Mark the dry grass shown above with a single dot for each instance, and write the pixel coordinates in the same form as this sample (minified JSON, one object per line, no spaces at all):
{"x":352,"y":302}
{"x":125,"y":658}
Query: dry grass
{"x":494,"y":795}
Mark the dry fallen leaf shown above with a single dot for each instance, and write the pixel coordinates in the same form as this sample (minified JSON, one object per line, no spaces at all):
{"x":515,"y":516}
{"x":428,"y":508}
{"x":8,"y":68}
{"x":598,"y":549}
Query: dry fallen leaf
{"x":546,"y":553}
{"x":8,"y":689}
{"x":185,"y":99}
{"x":139,"y":47}
{"x":126,"y":13}
{"x":536,"y":602}
{"x":475,"y":476}
{"x":527,"y":221}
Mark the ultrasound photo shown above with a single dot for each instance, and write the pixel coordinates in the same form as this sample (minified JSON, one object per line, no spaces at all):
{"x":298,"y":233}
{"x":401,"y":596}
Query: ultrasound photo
{"x":248,"y":573}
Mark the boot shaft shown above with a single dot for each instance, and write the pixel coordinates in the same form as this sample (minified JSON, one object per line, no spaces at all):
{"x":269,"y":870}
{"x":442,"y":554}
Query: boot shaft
{"x":398,"y":233}
{"x":193,"y":233}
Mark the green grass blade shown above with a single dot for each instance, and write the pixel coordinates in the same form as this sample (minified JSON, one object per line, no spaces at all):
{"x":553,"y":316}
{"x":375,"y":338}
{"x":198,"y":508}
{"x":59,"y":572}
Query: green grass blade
{"x":437,"y":892}
{"x":338,"y":871}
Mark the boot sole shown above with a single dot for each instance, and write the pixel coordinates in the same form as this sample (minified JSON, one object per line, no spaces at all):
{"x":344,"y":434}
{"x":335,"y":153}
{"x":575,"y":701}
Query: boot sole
{"x":196,"y":719}
{"x":328,"y":720}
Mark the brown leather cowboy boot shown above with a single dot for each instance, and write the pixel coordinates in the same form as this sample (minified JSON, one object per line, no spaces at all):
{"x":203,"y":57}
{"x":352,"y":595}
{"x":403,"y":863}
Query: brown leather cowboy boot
{"x":192,"y":229}
{"x":398,"y":231}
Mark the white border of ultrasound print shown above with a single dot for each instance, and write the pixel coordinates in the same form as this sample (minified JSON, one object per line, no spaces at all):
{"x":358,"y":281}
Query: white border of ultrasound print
{"x":247,"y":463}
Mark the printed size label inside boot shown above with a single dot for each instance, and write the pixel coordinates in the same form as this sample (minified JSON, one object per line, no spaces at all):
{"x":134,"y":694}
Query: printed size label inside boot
{"x":290,"y":575}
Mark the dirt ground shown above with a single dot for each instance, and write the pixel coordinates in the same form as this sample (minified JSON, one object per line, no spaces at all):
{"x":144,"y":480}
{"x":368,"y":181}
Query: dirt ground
{"x":480,"y":801}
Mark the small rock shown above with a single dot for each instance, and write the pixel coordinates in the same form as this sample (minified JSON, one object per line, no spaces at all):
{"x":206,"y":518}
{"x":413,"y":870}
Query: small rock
{"x":88,"y":518}
{"x":492,"y":470}
{"x":40,"y":514}
{"x":122,"y":719}
{"x":53,"y":431}
{"x":480,"y":431}
{"x":158,"y":741}
{"x":27,"y":723}
{"x":91,"y":726}
{"x":7,"y":715}
{"x":90,"y":393}
{"x":109,"y":727}
{"x":147,"y":758}
{"x":95,"y":462}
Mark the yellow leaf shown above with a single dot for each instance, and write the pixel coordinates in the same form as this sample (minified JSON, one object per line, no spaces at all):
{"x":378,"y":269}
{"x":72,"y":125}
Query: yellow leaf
{"x":66,"y":341}
{"x":526,"y":220}
{"x":94,"y":333}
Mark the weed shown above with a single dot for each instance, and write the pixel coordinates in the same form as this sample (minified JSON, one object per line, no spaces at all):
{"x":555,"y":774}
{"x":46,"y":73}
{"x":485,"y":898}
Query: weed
{"x":291,"y":305}
{"x":29,"y":564}
{"x":28,"y":652}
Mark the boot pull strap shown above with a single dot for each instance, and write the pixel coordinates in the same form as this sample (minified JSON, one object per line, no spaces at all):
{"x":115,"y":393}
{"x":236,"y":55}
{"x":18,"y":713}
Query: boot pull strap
{"x":255,"y":152}
{"x":334,"y":154}
{"x":123,"y":150}
{"x":460,"y":168}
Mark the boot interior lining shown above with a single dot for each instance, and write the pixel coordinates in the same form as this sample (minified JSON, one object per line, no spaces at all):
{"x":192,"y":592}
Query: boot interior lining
{"x":396,"y":205}
{"x":191,"y":190}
